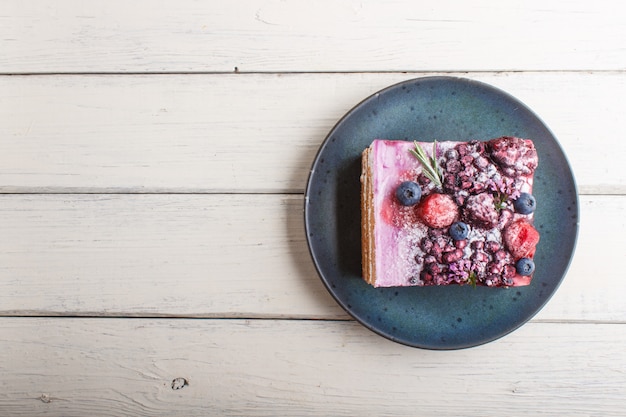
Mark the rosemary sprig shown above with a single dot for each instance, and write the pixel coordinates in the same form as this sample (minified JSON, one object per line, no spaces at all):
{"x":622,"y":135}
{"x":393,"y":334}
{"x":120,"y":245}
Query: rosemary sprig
{"x":429,"y":164}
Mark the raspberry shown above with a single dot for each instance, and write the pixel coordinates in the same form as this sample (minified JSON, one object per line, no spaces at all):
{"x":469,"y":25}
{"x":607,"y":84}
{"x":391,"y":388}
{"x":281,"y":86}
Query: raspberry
{"x":460,"y":243}
{"x":426,"y":277}
{"x":480,"y":256}
{"x":481,"y":163}
{"x":499,"y":255}
{"x":505,"y":217}
{"x":453,"y":256}
{"x":434,"y":268}
{"x":423,"y":180}
{"x":426,"y":245}
{"x":440,"y":279}
{"x":449,"y":182}
{"x":494,"y":268}
{"x":453,"y":166}
{"x":478,"y":187}
{"x":478,"y":244}
{"x":438,"y":210}
{"x":478,"y":146}
{"x":437,"y":252}
{"x":514,"y":155}
{"x":492,"y":246}
{"x":449,"y":247}
{"x":492,"y":280}
{"x":467,"y":161}
{"x":481,"y":209}
{"x":452,"y":154}
{"x":521,"y":239}
{"x":508,"y":271}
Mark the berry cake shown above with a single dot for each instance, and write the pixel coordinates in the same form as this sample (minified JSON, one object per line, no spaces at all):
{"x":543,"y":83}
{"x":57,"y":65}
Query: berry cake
{"x":447,"y":213}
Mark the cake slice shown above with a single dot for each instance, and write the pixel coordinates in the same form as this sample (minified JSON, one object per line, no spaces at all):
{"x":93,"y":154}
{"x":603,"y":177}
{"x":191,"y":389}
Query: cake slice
{"x":464,"y":216}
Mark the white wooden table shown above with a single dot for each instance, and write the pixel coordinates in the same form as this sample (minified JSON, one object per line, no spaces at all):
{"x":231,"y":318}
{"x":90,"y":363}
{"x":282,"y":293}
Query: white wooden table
{"x":153,"y":157}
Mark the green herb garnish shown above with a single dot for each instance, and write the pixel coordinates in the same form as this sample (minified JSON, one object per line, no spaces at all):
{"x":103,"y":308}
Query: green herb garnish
{"x":500,"y":201}
{"x":472,"y":279}
{"x":429,"y":164}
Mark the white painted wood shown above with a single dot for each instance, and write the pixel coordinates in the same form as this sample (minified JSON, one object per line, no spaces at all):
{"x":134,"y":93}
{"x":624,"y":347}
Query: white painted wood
{"x":184,"y":213}
{"x":110,"y":367}
{"x":225,"y":256}
{"x":274,"y":35}
{"x":250,"y":133}
{"x":191,"y":255}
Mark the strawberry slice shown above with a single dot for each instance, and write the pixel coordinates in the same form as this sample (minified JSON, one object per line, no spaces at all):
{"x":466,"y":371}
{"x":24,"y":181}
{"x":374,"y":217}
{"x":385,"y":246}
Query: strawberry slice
{"x":521,"y":239}
{"x":438,"y":210}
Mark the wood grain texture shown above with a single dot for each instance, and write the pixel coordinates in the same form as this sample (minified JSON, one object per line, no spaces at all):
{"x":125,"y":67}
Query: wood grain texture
{"x":153,"y":156}
{"x":279,"y":36}
{"x":223,"y":256}
{"x":250,"y":133}
{"x":110,"y":367}
{"x":194,"y":255}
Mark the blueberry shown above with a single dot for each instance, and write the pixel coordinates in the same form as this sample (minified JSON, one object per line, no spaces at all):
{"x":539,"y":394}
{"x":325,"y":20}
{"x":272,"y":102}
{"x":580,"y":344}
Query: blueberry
{"x":525,"y":203}
{"x":525,"y":266}
{"x":459,"y":231}
{"x":408,"y":193}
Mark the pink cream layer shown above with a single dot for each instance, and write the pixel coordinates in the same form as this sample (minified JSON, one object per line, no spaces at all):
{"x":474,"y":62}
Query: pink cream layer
{"x":398,"y":232}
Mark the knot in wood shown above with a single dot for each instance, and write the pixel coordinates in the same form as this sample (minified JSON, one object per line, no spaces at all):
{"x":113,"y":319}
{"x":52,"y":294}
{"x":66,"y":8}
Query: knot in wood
{"x":179,"y":383}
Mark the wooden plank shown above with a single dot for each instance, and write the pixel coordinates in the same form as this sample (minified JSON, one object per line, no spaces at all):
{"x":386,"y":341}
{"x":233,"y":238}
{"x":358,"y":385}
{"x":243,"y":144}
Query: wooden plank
{"x":109,"y":367}
{"x":254,"y":35}
{"x":191,"y":255}
{"x":245,"y":133}
{"x":224,"y":256}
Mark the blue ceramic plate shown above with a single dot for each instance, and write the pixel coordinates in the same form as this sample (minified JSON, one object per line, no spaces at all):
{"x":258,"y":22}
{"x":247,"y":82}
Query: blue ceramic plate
{"x":441,"y":108}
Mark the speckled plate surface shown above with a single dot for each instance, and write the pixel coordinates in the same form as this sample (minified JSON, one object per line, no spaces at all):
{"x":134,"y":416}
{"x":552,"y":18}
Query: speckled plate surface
{"x":441,"y":108}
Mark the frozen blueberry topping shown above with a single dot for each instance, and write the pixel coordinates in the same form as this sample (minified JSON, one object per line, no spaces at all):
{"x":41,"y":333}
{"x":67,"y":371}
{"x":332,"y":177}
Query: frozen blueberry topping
{"x":525,"y":203}
{"x":525,"y":266}
{"x":459,"y":231}
{"x":408,"y":193}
